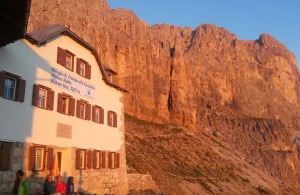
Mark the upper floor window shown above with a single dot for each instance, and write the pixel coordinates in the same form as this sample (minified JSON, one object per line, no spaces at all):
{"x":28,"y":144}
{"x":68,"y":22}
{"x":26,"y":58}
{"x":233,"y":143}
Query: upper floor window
{"x":43,"y":97}
{"x":65,"y":58}
{"x":12,"y":87}
{"x":110,"y":74}
{"x":111,"y":118}
{"x":65,"y":104}
{"x":83,"y":110}
{"x":83,"y":68}
{"x":97,"y":114}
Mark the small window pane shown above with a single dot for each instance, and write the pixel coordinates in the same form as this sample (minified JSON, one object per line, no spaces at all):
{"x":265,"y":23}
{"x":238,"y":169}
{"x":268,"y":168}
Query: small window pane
{"x":81,"y":159}
{"x":42,"y":98}
{"x":82,"y":110}
{"x":69,"y":61}
{"x":39,"y":158}
{"x":82,"y":69}
{"x":97,"y":115}
{"x":9,"y":88}
{"x":97,"y":156}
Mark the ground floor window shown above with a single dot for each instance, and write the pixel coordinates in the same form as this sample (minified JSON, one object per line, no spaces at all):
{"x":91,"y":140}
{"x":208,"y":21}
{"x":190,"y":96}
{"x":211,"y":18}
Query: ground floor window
{"x":5,"y":151}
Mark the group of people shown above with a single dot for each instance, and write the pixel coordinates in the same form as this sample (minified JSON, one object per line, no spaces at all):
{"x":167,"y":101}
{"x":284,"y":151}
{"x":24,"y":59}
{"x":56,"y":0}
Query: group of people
{"x":51,"y":187}
{"x":59,"y":186}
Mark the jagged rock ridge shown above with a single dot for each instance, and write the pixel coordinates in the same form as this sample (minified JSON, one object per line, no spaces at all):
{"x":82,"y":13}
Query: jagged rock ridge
{"x":243,"y":93}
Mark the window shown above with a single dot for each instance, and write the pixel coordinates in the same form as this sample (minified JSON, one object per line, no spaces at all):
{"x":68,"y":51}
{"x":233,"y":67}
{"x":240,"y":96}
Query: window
{"x":113,"y":160}
{"x":66,"y":104}
{"x":43,"y":97}
{"x":83,"y":68}
{"x":5,"y":148}
{"x":12,"y":87}
{"x":98,"y":159}
{"x":83,"y":110}
{"x":98,"y":114}
{"x":112,"y":119}
{"x":80,"y":159}
{"x":65,"y":58}
{"x":38,"y":156}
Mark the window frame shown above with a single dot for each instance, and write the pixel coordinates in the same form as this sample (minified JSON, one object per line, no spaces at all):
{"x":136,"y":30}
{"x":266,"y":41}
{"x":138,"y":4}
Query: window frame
{"x":60,"y":104}
{"x":18,"y":89}
{"x":99,"y":162}
{"x":82,"y":104}
{"x":113,"y":160}
{"x":86,"y":67}
{"x":100,"y":117}
{"x":112,"y":118}
{"x":48,"y":105}
{"x":62,"y":55}
{"x":81,"y":159}
{"x":46,"y":159}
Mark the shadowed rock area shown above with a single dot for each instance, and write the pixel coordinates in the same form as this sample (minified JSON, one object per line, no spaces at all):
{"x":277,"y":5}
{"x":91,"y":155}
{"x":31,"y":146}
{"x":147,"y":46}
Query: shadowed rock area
{"x":206,"y":113}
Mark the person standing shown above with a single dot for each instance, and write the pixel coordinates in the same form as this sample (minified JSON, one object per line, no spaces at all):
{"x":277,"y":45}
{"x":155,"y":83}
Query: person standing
{"x":60,"y":185}
{"x":49,"y":185}
{"x":21,"y":186}
{"x":70,"y":186}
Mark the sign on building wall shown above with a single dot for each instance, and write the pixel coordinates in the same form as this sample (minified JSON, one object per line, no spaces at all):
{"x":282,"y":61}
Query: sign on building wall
{"x":72,"y":84}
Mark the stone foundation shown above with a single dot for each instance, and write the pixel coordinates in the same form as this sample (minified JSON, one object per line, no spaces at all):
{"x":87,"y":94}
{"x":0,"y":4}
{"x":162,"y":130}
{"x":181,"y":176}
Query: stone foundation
{"x":89,"y":181}
{"x":141,"y":182}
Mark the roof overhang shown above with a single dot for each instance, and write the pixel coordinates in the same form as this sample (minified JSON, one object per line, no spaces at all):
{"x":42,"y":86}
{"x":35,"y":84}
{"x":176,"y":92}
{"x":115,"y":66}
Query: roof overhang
{"x":13,"y":20}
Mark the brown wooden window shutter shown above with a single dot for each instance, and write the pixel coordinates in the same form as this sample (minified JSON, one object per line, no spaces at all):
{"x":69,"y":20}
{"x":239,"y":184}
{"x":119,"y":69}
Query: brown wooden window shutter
{"x":77,"y":159}
{"x":117,"y":160}
{"x":78,"y":108}
{"x":72,"y":106}
{"x":61,"y":56}
{"x":101,"y":115}
{"x":5,"y":151}
{"x":115,"y":119}
{"x":94,"y":113}
{"x":50,"y":99}
{"x":59,"y":103}
{"x":94,"y":159}
{"x":110,"y":159}
{"x":109,"y":118}
{"x":89,"y":159}
{"x":78,"y":65}
{"x":88,"y":71}
{"x":50,"y":158}
{"x":2,"y":83}
{"x":32,"y":158}
{"x":103,"y":159}
{"x":88,"y":111}
{"x":35,"y":95}
{"x":21,"y":90}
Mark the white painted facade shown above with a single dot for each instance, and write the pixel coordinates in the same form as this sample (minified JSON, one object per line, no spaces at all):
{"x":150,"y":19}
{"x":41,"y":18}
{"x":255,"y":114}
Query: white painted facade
{"x":23,"y":122}
{"x":38,"y":125}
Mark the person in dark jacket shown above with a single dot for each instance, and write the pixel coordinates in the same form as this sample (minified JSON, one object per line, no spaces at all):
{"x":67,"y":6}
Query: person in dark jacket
{"x":70,"y":186}
{"x":21,"y":186}
{"x":49,"y":185}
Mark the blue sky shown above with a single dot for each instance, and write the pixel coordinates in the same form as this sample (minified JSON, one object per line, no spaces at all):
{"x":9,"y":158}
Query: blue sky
{"x":245,"y":18}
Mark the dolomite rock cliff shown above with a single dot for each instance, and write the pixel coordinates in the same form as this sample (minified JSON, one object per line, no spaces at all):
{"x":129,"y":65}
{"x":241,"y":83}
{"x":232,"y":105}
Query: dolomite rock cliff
{"x":244,"y":94}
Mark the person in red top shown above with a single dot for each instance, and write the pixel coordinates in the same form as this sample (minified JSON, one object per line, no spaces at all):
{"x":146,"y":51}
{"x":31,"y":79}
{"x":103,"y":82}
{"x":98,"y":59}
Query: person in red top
{"x":60,"y":185}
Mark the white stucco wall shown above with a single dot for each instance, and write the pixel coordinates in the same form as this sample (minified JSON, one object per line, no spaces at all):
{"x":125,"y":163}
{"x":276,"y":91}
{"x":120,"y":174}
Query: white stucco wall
{"x":24,"y":122}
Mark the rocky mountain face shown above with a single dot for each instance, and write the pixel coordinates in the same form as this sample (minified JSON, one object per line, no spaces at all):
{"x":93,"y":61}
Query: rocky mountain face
{"x":235,"y":103}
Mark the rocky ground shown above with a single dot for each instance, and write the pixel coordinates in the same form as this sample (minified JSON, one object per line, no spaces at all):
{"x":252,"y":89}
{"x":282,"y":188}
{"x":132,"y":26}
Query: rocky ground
{"x":182,"y":162}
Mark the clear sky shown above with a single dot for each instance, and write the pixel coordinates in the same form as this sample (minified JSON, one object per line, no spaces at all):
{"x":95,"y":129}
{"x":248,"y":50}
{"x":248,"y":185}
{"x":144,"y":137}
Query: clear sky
{"x":247,"y":19}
